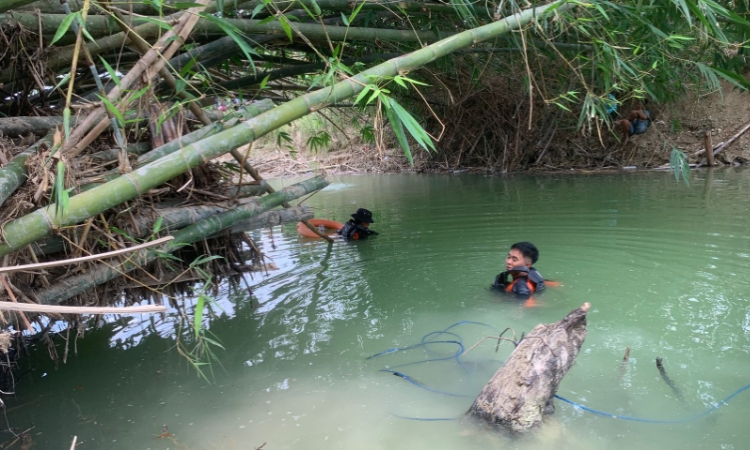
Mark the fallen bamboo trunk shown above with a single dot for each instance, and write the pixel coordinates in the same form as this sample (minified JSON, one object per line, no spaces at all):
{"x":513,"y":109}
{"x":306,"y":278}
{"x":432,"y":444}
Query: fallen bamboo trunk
{"x":522,"y":390}
{"x":41,"y":125}
{"x":56,"y":309}
{"x":100,"y":25}
{"x":14,"y":174}
{"x":66,"y":262}
{"x":102,"y":273}
{"x":37,"y":225}
{"x":187,"y":215}
{"x":176,"y":218}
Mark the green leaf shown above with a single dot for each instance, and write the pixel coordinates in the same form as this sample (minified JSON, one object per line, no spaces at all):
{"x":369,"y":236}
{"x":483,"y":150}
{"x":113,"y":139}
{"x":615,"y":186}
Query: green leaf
{"x":157,"y":224}
{"x":66,"y":122}
{"x":344,"y":20}
{"x":112,"y":72}
{"x":64,"y":80}
{"x":234,"y":33}
{"x":140,"y":93}
{"x":113,"y":110}
{"x":64,"y":26}
{"x":157,"y":22}
{"x":286,"y":27}
{"x":356,"y":11}
{"x":258,"y":8}
{"x":398,"y":130}
{"x":414,"y":128}
{"x":316,"y":7}
{"x":265,"y":81}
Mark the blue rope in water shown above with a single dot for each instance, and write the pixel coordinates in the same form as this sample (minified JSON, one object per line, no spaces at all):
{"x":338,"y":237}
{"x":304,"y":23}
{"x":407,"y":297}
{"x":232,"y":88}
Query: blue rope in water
{"x":424,"y":342}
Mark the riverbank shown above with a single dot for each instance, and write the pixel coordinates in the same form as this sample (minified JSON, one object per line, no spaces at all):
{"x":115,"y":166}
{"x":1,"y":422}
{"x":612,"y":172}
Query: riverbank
{"x":678,"y":125}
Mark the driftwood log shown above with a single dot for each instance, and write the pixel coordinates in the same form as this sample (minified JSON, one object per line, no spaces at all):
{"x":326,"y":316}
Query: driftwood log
{"x":521,"y":392}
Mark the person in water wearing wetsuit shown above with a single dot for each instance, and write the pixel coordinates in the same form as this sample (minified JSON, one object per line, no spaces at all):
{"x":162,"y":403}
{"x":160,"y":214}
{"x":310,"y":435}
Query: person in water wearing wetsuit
{"x":358,"y":228}
{"x":636,"y":123}
{"x":520,"y":277}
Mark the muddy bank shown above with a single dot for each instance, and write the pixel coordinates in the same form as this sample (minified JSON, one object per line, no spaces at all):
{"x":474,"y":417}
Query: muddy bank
{"x":678,"y":125}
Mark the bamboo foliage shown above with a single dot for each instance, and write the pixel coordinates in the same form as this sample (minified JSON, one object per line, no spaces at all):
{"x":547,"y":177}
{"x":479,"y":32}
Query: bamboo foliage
{"x":40,"y":223}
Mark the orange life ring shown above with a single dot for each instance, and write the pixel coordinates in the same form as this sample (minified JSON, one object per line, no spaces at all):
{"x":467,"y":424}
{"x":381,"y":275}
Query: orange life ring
{"x":328,"y":224}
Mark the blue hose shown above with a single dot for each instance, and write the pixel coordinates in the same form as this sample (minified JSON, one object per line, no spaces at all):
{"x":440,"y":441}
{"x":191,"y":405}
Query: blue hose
{"x":424,"y":342}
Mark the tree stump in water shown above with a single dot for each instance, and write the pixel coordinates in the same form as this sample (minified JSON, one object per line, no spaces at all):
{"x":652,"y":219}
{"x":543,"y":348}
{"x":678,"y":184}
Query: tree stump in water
{"x":522,"y":390}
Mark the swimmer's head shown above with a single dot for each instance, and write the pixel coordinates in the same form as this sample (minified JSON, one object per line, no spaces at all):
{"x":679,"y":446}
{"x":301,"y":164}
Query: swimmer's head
{"x":521,"y":254}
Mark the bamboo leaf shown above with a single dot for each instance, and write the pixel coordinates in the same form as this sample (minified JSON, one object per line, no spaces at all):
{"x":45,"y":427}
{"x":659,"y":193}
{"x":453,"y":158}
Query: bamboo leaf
{"x":286,"y":27}
{"x":414,"y":128}
{"x":160,"y":23}
{"x":157,"y":225}
{"x":112,"y":72}
{"x":64,"y":80}
{"x":66,"y":122}
{"x":265,"y":81}
{"x":113,"y":110}
{"x":234,"y":33}
{"x":356,"y":11}
{"x":64,"y":26}
{"x":398,"y":130}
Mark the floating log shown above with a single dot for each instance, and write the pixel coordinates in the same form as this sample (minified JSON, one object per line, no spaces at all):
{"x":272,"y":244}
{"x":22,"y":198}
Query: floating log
{"x":521,"y":392}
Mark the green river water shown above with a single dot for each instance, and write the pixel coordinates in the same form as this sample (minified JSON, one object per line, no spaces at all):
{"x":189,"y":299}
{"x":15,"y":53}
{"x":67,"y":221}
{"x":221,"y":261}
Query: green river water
{"x":664,"y":266}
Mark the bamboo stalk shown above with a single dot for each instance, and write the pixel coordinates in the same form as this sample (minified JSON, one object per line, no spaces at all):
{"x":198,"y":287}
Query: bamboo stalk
{"x":68,"y":262}
{"x":150,"y":63}
{"x":41,"y":125}
{"x":101,"y":26}
{"x":103,"y":273}
{"x":98,"y":310}
{"x":179,"y":217}
{"x":40,"y":223}
{"x":12,"y":296}
{"x":14,"y":174}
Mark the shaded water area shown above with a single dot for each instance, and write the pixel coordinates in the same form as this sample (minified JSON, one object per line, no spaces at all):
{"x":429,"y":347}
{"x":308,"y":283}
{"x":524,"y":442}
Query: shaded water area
{"x":663,"y":265}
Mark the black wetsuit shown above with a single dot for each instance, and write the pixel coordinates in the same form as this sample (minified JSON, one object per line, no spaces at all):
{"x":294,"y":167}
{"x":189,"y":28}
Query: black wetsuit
{"x":353,"y":231}
{"x":528,"y":283}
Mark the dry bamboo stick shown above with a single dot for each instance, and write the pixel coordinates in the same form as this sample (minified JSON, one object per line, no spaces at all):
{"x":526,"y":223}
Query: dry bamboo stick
{"x":12,"y":296}
{"x":56,"y":309}
{"x":64,"y":262}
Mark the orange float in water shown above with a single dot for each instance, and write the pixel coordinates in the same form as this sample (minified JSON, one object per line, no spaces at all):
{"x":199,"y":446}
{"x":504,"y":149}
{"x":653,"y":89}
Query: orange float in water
{"x":331,"y":226}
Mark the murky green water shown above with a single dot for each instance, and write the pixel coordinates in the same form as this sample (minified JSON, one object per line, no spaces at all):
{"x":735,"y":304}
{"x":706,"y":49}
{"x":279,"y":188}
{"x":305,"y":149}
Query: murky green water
{"x":664,"y":266}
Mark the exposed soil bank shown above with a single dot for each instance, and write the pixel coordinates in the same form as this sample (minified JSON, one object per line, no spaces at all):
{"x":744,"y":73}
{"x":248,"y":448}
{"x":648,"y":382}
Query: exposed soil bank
{"x":680,"y":125}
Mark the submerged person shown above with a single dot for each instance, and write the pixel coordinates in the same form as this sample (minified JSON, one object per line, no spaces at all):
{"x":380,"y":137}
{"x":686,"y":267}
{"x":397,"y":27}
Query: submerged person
{"x":358,"y":228}
{"x":520,"y":276}
{"x":637,"y":122}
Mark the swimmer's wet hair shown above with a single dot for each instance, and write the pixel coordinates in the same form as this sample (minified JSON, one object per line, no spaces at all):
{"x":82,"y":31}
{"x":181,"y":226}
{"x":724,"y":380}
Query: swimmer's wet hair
{"x":528,"y":250}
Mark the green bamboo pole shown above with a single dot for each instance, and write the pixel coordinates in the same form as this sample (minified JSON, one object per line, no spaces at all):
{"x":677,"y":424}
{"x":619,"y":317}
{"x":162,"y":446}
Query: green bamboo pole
{"x":98,"y":26}
{"x":102,"y":273}
{"x":40,"y":223}
{"x":231,"y":120}
{"x":14,"y":174}
{"x":179,"y":217}
{"x":251,"y":80}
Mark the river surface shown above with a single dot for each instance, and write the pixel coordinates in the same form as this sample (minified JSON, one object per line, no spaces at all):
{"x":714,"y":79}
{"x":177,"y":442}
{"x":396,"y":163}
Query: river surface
{"x":665,"y":267}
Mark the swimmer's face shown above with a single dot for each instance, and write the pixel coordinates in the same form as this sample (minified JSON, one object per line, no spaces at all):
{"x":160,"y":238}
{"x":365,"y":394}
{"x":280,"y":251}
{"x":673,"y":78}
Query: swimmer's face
{"x":515,"y":259}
